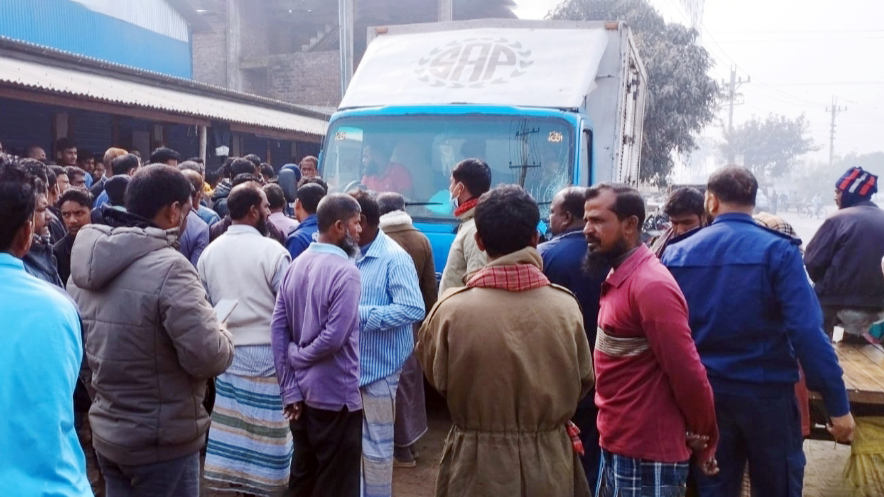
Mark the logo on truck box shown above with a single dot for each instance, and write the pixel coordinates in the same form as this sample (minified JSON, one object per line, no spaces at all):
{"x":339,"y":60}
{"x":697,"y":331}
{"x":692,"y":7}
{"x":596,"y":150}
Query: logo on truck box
{"x":474,"y":63}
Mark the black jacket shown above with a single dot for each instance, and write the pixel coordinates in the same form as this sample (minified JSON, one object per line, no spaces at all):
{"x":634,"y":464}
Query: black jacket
{"x":62,"y":252}
{"x":40,"y":262}
{"x":844,"y":258}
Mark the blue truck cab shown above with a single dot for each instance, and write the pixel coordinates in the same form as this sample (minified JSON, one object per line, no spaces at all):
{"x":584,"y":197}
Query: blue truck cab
{"x":515,"y":94}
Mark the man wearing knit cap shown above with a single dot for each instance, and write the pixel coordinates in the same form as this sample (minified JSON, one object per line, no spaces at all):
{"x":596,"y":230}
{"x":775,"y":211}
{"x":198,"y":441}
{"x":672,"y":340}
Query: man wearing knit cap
{"x":844,"y":257}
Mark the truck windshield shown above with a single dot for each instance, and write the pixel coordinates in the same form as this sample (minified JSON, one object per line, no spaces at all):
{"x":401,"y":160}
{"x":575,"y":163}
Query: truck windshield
{"x":414,"y":156}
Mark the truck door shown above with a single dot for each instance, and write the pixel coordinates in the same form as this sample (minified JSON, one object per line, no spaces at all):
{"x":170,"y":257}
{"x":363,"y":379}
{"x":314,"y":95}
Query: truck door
{"x":583,"y":174}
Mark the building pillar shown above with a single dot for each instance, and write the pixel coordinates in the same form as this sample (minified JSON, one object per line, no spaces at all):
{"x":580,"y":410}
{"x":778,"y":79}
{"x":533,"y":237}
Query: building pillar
{"x":204,"y":140}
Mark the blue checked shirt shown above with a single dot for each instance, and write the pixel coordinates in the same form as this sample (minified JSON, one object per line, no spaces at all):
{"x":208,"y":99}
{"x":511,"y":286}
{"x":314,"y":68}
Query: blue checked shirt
{"x":391,"y":302}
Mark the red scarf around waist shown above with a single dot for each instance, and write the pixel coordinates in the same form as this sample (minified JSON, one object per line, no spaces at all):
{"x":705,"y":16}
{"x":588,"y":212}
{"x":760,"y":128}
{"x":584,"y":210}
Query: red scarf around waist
{"x":512,"y":278}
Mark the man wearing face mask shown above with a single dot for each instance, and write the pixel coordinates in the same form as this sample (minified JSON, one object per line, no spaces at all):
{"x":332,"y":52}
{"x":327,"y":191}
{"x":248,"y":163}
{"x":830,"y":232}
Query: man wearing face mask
{"x":247,"y":446}
{"x":643,"y":333}
{"x":469,"y":180}
{"x":315,"y":340}
{"x":752,"y":311}
{"x":152,"y":340}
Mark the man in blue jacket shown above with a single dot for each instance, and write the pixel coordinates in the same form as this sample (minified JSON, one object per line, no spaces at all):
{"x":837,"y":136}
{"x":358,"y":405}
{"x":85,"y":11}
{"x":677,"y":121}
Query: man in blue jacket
{"x":310,"y":193}
{"x":752,"y":311}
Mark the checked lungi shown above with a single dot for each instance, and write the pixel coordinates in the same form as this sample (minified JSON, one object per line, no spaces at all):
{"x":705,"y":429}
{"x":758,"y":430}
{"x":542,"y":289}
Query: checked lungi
{"x":250,"y":443}
{"x":621,"y":476}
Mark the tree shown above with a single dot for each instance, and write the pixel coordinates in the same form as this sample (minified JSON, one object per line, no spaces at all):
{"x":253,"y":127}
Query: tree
{"x":681,"y":95}
{"x":770,"y":146}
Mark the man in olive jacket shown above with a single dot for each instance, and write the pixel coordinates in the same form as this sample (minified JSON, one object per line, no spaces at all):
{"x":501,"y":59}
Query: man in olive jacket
{"x":152,"y":340}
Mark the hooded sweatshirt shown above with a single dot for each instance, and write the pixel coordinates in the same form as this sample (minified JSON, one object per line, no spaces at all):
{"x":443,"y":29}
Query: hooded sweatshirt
{"x":152,"y":340}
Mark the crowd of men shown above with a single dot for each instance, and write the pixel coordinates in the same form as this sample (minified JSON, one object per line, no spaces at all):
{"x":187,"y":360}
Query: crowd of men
{"x":590,"y":364}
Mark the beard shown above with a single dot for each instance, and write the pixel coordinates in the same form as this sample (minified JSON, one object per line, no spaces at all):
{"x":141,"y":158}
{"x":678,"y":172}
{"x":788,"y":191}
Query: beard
{"x":597,"y":264}
{"x":262,"y":226}
{"x":349,"y":245}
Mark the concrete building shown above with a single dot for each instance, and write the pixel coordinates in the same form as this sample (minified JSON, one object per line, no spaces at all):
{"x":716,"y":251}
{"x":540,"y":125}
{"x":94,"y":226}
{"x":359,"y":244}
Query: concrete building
{"x":288,"y":49}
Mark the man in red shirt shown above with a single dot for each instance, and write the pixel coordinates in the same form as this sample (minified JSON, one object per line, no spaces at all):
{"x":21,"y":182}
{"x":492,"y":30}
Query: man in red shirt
{"x":652,"y":392}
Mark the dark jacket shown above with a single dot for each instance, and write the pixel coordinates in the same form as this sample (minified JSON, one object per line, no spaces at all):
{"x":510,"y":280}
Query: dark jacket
{"x":562,"y":264}
{"x":40,"y":262}
{"x":98,"y":186}
{"x":57,"y":230}
{"x":301,"y":238}
{"x":116,"y":218}
{"x":62,"y":252}
{"x":752,"y":311}
{"x":219,"y":198}
{"x":133,"y":282}
{"x":844,"y":258}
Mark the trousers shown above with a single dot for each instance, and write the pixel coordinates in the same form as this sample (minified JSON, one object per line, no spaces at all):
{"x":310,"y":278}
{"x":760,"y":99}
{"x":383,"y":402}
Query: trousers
{"x":175,"y":478}
{"x":328,"y":453}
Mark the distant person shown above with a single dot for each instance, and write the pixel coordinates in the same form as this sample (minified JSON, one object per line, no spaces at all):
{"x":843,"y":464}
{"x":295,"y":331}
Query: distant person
{"x":469,"y":180}
{"x":66,"y":152}
{"x":152,"y":340}
{"x":41,"y":348}
{"x":75,"y":208}
{"x":39,"y":260}
{"x":643,"y":332}
{"x":308,"y":167}
{"x":509,"y":354}
{"x":382,"y":175}
{"x":563,"y":265}
{"x":254,"y":159}
{"x":276,"y":198}
{"x":267,"y":173}
{"x":390,"y":304}
{"x":315,"y":340}
{"x":752,"y":314}
{"x":309,"y":195}
{"x":195,"y":234}
{"x":53,"y":227}
{"x":411,"y":411}
{"x":234,"y":168}
{"x":98,"y":171}
{"x":86,"y":162}
{"x":197,"y":179}
{"x":250,"y":445}
{"x":62,"y":182}
{"x":121,"y":165}
{"x":35,"y":152}
{"x":686,"y":211}
{"x":77,"y":177}
{"x":844,"y":256}
{"x":164,"y":155}
{"x":109,"y":155}
{"x":113,"y":212}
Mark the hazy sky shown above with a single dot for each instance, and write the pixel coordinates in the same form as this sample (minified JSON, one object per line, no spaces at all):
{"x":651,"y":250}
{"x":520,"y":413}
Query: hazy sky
{"x":799,"y":54}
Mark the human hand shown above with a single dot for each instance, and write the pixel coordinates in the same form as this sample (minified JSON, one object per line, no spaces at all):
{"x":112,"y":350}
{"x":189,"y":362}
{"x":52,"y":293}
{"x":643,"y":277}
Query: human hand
{"x":709,"y":467}
{"x":292,"y":412}
{"x":842,"y":428}
{"x":696,"y":442}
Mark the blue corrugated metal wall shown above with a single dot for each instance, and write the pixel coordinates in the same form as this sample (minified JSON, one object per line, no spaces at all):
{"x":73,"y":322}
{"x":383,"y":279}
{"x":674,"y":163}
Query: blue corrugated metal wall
{"x":69,"y":26}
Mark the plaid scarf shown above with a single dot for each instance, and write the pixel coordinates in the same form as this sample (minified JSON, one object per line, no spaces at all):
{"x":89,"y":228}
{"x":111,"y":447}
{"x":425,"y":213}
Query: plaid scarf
{"x":469,"y":204}
{"x":512,"y":278}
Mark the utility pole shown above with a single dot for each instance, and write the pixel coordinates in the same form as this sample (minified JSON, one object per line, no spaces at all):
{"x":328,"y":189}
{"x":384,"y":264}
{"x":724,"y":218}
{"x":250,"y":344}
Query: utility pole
{"x":346,"y":14}
{"x":835,"y":110}
{"x":732,"y":87}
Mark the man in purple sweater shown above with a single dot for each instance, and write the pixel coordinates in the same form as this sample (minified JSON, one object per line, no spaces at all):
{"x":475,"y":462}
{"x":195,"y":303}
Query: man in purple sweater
{"x":315,"y":340}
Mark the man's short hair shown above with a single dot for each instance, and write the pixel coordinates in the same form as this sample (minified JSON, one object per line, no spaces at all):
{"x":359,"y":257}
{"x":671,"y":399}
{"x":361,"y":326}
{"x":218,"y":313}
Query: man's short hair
{"x":78,"y":196}
{"x":242,"y":165}
{"x":122,"y":164}
{"x":309,"y":194}
{"x":18,"y":200}
{"x":72,"y":171}
{"x":195,"y":178}
{"x":683,"y":201}
{"x":312,"y":159}
{"x":116,"y":189}
{"x":506,"y":219}
{"x":31,"y":148}
{"x":573,"y":200}
{"x":64,"y":144}
{"x":267,"y":170}
{"x":391,"y":201}
{"x":57,"y":171}
{"x":628,"y":201}
{"x":189,"y":165}
{"x":245,"y":178}
{"x":474,"y":174}
{"x":163,"y":155}
{"x":369,"y":206}
{"x":155,"y":187}
{"x":111,"y":154}
{"x":275,"y":196}
{"x":336,"y":207}
{"x":242,"y":198}
{"x":734,"y":185}
{"x":254,"y":159}
{"x":37,"y":169}
{"x":84,"y":154}
{"x":316,"y":181}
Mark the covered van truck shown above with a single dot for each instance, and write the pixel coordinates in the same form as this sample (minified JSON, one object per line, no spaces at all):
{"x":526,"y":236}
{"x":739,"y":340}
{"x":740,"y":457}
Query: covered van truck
{"x":546,"y":104}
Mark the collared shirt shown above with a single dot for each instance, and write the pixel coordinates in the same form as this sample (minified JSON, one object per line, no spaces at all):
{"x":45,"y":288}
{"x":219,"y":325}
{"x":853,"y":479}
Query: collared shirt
{"x":301,"y":238}
{"x":195,"y":238}
{"x":647,"y":368}
{"x":752,"y":311}
{"x":391,"y":302}
{"x":285,"y":224}
{"x":315,"y":330}
{"x":41,"y":349}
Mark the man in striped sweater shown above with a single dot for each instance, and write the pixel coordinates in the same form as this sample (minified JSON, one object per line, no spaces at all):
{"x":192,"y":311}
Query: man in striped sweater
{"x":391,"y":302}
